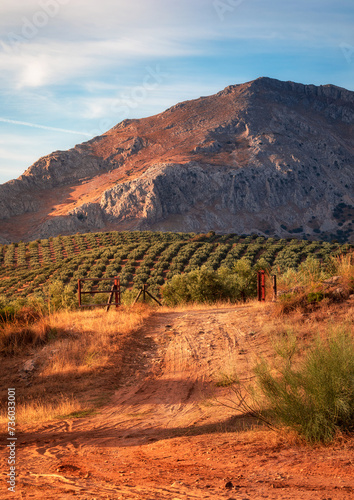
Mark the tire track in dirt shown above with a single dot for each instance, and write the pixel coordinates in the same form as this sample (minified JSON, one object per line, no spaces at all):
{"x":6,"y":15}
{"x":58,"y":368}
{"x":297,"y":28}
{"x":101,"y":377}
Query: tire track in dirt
{"x":169,"y":397}
{"x":194,"y":349}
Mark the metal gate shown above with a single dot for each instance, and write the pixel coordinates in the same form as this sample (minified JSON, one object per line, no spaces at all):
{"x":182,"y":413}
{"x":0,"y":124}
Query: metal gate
{"x":114,"y":292}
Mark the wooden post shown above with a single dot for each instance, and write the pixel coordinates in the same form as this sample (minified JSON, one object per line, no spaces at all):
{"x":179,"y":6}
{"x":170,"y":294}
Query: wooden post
{"x":137,"y":297}
{"x":275,"y":292}
{"x":110,"y":298}
{"x":154,"y":298}
{"x":79,"y":291}
{"x":116,"y":292}
{"x":144,"y":292}
{"x":263,"y":286}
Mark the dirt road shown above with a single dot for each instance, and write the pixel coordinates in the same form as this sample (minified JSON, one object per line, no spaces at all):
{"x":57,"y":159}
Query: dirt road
{"x":165,"y":435}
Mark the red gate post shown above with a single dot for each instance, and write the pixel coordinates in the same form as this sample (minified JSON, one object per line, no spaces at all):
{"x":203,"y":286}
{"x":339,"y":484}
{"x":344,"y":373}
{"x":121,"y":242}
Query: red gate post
{"x":261,"y":286}
{"x":119,"y":297}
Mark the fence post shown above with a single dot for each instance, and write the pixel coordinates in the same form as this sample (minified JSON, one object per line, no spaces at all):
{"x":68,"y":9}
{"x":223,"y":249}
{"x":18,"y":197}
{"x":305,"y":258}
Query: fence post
{"x":144,"y":292}
{"x":116,"y":292}
{"x":275,"y":292}
{"x":261,"y":286}
{"x":79,"y":291}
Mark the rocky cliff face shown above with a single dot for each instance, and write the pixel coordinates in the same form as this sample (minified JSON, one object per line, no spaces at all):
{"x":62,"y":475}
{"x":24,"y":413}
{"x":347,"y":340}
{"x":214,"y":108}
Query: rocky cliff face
{"x":271,"y":157}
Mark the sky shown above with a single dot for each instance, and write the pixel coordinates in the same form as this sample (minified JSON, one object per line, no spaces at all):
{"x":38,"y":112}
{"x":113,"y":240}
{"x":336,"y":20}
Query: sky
{"x":72,"y":69}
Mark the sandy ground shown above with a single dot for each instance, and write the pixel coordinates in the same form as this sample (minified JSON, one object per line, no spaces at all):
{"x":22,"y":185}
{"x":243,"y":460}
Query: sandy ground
{"x":166,"y":435}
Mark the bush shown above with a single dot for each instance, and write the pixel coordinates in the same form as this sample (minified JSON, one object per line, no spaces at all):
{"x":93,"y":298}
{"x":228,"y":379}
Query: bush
{"x":200,"y":285}
{"x":244,"y":280}
{"x":314,"y":297}
{"x":316,"y":397}
{"x":205,"y":285}
{"x":7,"y":313}
{"x":60,"y":296}
{"x":310,"y":284}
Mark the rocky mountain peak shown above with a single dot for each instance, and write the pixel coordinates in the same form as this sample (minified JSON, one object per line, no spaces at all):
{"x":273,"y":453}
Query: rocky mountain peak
{"x":267,"y":156}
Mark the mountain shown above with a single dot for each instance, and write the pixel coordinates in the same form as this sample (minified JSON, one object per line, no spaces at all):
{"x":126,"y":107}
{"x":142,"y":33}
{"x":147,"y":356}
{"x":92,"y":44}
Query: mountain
{"x":267,"y":157}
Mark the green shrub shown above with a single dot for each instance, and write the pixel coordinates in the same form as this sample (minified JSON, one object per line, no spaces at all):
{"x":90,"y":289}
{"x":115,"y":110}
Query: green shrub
{"x":314,"y":297}
{"x":7,"y":313}
{"x":205,"y":285}
{"x":314,"y":397}
{"x":200,"y":285}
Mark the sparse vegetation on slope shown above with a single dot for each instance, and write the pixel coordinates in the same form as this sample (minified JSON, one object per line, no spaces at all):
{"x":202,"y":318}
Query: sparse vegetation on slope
{"x":314,"y":282}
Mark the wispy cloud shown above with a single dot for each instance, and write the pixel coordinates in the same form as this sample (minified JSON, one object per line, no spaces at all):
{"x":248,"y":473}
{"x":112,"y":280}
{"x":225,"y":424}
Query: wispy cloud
{"x":44,"y":127}
{"x":49,"y":62}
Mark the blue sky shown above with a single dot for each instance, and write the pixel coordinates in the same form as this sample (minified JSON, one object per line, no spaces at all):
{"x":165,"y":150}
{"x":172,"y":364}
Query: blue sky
{"x":72,"y":69}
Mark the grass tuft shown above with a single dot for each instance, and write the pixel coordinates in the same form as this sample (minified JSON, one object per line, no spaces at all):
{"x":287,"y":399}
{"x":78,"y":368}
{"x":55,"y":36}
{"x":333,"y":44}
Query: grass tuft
{"x":78,"y":414}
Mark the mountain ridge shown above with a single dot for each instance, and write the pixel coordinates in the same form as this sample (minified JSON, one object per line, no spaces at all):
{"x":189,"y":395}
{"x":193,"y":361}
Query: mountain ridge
{"x":265,"y":156}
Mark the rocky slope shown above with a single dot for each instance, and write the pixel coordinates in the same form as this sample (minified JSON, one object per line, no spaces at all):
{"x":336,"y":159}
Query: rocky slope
{"x":271,"y":157}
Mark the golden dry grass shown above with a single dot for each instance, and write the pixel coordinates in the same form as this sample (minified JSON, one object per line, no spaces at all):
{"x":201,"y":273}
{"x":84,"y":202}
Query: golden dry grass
{"x":194,"y":306}
{"x":90,"y":337}
{"x":344,"y":267}
{"x":71,"y":356}
{"x":41,"y":410}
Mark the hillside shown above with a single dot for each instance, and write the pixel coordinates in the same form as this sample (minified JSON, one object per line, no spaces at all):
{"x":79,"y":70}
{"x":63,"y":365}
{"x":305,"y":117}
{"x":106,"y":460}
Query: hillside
{"x":141,"y":257}
{"x":267,"y":157}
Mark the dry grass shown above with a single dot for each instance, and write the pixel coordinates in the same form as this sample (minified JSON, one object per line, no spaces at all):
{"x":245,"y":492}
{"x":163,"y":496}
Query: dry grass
{"x":307,"y":324}
{"x":89,"y":338}
{"x":344,"y":267}
{"x":69,"y":350}
{"x":40,"y":410}
{"x":195,"y":306}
